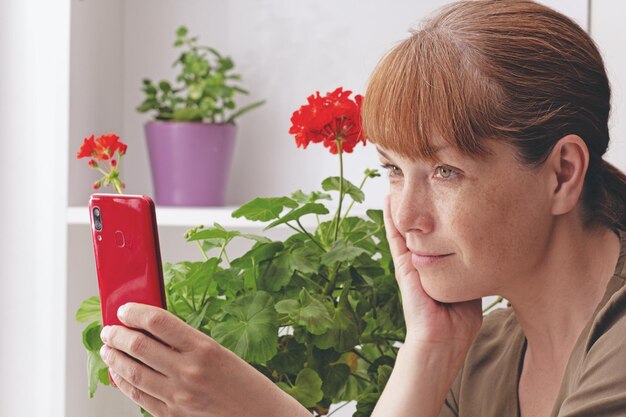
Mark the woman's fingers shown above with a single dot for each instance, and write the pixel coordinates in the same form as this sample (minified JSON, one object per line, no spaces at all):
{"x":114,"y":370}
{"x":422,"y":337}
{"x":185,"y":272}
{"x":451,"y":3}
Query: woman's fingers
{"x":399,"y":252}
{"x":397,"y":243}
{"x":141,"y":347}
{"x":149,"y":403}
{"x":160,"y":323}
{"x":140,"y":376}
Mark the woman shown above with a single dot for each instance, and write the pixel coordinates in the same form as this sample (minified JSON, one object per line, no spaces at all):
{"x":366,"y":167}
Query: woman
{"x":492,"y":120}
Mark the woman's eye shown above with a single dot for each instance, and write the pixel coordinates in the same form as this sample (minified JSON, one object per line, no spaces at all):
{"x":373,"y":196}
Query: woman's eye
{"x":392,"y":170}
{"x":445,"y":172}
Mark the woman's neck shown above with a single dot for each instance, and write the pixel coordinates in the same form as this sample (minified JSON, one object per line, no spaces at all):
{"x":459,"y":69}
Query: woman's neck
{"x":555,"y":303}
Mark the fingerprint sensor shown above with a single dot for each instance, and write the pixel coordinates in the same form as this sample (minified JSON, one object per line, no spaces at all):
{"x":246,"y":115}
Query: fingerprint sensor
{"x":119,"y":238}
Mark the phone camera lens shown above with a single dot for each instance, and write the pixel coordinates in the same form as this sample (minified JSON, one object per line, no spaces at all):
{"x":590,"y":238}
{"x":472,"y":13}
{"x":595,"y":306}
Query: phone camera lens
{"x":97,"y":221}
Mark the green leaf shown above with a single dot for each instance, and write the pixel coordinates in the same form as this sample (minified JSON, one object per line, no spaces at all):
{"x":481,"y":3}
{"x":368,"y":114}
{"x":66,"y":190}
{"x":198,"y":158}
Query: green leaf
{"x":344,"y":333}
{"x":303,"y":198}
{"x":309,"y":208}
{"x":244,"y":110}
{"x":341,"y":251}
{"x":181,"y":31}
{"x":187,"y":115}
{"x":259,"y":253}
{"x":195,"y":91}
{"x":89,"y":310}
{"x":365,"y":405}
{"x":372,"y":173}
{"x":196,"y":318}
{"x":91,"y":337}
{"x":335,"y":379}
{"x":229,"y":280}
{"x":288,"y":307}
{"x":305,"y":260}
{"x":307,"y":311}
{"x":376,"y":216}
{"x":95,"y":368}
{"x":264,"y":209}
{"x":165,"y":86}
{"x":290,"y":358}
{"x":216,"y":232}
{"x":251,"y":329}
{"x":257,"y":238}
{"x":384,"y":372}
{"x":308,"y":388}
{"x":332,"y":184}
{"x":314,"y":314}
{"x":275,"y":273}
{"x":144,"y":413}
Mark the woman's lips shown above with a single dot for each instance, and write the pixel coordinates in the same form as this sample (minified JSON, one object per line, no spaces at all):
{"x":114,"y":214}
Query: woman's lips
{"x":419,"y":260}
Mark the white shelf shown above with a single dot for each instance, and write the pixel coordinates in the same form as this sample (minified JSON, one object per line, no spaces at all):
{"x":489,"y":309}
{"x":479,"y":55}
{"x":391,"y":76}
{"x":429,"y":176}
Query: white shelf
{"x":191,"y":217}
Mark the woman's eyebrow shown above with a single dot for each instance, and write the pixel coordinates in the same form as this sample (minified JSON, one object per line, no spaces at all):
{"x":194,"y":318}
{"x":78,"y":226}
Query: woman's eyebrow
{"x":436,"y":149}
{"x":383,"y":153}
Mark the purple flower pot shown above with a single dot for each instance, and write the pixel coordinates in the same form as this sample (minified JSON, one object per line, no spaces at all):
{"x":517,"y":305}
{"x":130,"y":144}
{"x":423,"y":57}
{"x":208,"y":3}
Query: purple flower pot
{"x":190,"y":162}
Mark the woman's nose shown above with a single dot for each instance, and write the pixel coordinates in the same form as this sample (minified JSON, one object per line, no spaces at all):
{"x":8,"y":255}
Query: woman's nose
{"x":410,"y":212}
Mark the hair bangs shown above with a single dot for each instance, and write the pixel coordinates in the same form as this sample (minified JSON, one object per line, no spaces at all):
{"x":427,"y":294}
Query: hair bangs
{"x":424,"y":93}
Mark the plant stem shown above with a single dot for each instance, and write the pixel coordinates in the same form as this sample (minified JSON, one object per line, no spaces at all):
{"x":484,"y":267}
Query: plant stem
{"x":309,"y":235}
{"x":330,"y":287}
{"x":352,"y":202}
{"x":336,"y":219}
{"x":116,"y":184}
{"x":338,"y":408}
{"x":367,"y":236}
{"x":356,"y":352}
{"x":361,"y":378}
{"x":206,"y":258}
{"x":492,"y":305}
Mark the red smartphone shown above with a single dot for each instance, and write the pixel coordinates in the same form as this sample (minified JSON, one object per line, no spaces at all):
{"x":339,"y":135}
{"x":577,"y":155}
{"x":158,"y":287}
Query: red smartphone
{"x":126,"y":246}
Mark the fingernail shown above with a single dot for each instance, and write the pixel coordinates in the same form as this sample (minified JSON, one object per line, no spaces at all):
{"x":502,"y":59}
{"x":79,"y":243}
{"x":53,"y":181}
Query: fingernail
{"x":121,"y":312}
{"x":104,"y":334}
{"x":104,"y":352}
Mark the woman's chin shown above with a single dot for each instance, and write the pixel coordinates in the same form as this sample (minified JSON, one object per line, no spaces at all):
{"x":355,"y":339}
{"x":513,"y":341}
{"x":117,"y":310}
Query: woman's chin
{"x":445,"y":292}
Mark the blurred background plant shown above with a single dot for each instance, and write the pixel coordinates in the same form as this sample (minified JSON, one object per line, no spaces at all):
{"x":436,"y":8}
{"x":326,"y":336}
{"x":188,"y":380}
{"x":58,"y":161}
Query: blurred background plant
{"x":205,"y":88}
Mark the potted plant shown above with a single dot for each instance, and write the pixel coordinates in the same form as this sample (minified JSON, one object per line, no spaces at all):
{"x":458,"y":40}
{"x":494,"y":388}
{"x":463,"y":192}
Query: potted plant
{"x":191,"y":139}
{"x":318,"y":313}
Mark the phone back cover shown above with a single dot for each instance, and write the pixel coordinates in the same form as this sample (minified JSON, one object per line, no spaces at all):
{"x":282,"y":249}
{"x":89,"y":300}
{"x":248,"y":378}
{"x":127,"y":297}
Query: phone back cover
{"x":128,"y":260}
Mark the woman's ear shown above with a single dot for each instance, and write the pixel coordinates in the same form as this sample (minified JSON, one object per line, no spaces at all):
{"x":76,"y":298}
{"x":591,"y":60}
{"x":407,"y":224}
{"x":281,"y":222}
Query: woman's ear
{"x":567,"y":165}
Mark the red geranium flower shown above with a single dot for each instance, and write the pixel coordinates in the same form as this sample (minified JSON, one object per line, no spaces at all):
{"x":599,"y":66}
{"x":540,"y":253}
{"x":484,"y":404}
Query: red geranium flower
{"x":331,"y":119}
{"x":103,"y":148}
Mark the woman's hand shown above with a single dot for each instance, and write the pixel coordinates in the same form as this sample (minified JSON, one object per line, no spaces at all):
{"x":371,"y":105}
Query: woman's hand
{"x":181,"y":372}
{"x":429,"y":321}
{"x":437,"y":339}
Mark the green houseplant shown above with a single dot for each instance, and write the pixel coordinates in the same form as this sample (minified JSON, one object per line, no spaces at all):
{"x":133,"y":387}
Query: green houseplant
{"x":320,"y":310}
{"x":319,"y":313}
{"x":193,"y":131}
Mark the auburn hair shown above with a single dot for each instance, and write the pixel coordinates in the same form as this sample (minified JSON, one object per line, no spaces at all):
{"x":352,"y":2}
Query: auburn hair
{"x":509,"y":70}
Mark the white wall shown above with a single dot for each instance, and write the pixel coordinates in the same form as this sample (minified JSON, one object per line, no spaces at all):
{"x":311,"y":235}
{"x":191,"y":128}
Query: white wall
{"x":284,"y":50}
{"x":34,"y":51}
{"x":609,"y":32}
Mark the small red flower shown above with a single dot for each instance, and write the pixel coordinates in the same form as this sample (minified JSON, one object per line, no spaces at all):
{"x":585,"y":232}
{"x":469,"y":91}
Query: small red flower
{"x":104,"y":148}
{"x":88,"y":148}
{"x":101,"y":148}
{"x":328,"y":119}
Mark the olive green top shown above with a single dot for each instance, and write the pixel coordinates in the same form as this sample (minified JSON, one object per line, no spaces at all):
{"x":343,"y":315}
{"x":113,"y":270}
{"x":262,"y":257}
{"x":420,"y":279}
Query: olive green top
{"x":594,"y":383}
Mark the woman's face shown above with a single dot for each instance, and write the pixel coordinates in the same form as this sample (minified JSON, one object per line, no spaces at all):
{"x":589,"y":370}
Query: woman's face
{"x":475,"y":227}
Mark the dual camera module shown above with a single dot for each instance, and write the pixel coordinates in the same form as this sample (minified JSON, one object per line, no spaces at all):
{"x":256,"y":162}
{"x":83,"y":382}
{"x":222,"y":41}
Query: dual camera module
{"x":97,"y":219}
